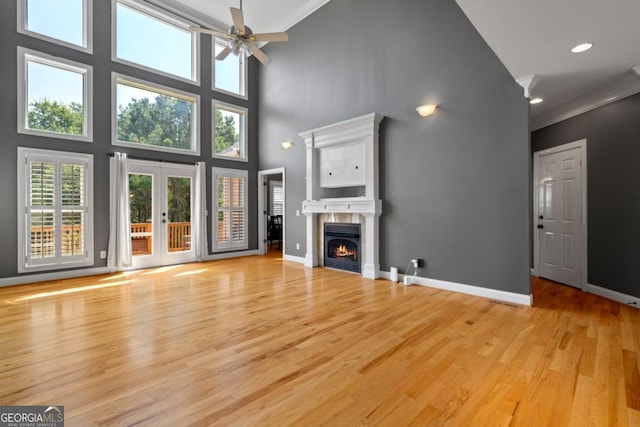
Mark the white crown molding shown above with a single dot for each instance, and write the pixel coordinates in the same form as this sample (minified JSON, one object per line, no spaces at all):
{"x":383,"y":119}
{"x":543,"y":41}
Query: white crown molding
{"x":190,"y":14}
{"x":301,"y":13}
{"x":627,"y":85}
{"x":528,"y":83}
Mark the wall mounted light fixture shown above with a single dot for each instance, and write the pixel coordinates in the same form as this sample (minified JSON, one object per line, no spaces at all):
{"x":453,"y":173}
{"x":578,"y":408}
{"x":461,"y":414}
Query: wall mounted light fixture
{"x":426,"y":110}
{"x":286,"y":144}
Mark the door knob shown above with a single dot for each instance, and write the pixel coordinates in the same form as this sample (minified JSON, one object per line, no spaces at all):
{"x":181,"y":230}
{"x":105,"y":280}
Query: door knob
{"x":540,"y":226}
{"x":541,"y":217}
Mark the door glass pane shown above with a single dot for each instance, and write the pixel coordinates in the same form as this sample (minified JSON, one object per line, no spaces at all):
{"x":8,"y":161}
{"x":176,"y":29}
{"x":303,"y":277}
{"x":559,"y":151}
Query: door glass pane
{"x":178,"y":214}
{"x":141,"y":206}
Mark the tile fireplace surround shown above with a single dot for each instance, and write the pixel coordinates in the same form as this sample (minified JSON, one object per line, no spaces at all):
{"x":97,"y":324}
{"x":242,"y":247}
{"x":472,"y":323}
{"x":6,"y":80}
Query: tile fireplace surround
{"x":344,"y":155}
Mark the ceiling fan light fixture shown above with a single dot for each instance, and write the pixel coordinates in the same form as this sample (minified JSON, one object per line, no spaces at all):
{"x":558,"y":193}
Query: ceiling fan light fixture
{"x":582,"y":47}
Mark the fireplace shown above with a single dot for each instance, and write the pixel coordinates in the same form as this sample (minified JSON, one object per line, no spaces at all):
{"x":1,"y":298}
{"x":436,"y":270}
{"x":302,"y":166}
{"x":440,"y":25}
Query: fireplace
{"x":342,"y":246}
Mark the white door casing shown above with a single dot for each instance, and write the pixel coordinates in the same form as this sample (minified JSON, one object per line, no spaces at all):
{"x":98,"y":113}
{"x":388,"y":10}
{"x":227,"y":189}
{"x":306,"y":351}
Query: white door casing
{"x":160,"y":174}
{"x":263,"y":207}
{"x":560,"y":214}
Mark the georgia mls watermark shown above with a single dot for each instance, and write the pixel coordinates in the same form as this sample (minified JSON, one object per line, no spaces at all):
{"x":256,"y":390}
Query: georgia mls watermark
{"x":32,"y":416}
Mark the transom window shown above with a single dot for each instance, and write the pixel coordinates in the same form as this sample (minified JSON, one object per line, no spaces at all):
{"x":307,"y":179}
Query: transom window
{"x":230,"y":131}
{"x":62,"y":109}
{"x":154,"y":117}
{"x":151,"y":39}
{"x":66,"y":22}
{"x":229,"y":73}
{"x":230,"y":203}
{"x":54,"y":217}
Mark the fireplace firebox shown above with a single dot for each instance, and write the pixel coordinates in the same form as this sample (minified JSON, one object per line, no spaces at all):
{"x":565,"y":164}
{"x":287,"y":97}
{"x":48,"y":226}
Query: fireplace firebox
{"x":342,"y":246}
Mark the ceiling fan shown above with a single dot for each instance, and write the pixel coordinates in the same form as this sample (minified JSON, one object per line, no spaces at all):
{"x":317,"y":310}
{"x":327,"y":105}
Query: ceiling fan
{"x":240,"y":38}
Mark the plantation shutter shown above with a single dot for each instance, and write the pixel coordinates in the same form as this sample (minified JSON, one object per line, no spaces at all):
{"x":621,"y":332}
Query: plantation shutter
{"x":231,"y":194}
{"x":55,"y":227}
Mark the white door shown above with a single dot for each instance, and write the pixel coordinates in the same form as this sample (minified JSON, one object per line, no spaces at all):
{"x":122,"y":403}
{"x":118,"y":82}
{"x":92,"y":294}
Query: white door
{"x":559,"y":221}
{"x":161,"y":201}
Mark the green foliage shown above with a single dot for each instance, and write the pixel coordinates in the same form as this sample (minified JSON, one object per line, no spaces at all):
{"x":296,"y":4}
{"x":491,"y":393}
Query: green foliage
{"x":163,"y":123}
{"x":179,"y":195}
{"x":54,"y":116}
{"x":226,"y":135}
{"x":140,"y":187}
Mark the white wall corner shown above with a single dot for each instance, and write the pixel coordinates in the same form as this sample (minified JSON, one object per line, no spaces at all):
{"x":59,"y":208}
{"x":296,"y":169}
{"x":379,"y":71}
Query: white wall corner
{"x":528,"y":83}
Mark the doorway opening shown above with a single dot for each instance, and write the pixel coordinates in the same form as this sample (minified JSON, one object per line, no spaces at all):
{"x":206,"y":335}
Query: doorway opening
{"x":271,"y":211}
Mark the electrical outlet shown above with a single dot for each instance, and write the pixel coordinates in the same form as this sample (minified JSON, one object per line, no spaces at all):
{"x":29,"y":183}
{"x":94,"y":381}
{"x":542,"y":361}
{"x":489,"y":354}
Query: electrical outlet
{"x":297,"y":246}
{"x":417,"y":262}
{"x":103,"y":254}
{"x":297,"y":212}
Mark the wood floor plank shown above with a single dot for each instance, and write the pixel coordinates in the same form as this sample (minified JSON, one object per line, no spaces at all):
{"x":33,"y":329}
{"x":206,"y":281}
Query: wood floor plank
{"x":259,"y":341}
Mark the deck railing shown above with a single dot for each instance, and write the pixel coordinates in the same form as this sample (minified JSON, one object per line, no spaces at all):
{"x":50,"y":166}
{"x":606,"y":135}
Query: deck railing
{"x":43,"y":241}
{"x":178,"y":237}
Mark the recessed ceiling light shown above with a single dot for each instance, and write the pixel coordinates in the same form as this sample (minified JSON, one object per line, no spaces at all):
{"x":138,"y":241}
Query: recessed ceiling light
{"x":583,"y":47}
{"x":536,"y":101}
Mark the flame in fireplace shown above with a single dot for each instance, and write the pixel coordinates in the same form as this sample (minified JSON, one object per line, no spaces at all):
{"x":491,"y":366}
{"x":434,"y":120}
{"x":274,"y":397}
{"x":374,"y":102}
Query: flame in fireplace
{"x":343,"y":252}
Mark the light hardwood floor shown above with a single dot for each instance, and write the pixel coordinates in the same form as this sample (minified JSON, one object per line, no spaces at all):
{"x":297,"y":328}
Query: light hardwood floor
{"x":256,"y":341}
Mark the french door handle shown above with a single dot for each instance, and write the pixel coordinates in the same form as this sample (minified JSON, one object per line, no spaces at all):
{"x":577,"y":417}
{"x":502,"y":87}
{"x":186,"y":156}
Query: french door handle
{"x":540,"y":226}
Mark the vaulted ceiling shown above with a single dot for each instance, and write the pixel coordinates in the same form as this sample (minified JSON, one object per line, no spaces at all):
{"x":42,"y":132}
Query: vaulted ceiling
{"x":529,"y":37}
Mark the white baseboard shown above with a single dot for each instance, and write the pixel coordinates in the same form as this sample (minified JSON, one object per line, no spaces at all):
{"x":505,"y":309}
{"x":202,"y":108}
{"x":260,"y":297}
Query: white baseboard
{"x":47,"y":277}
{"x":493,"y":294}
{"x":228,"y":255}
{"x":613,"y":295}
{"x":298,"y":259}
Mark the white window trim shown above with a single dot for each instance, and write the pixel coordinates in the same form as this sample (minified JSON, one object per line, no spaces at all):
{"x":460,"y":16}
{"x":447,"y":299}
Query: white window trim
{"x":161,"y":15}
{"x":163,"y":90}
{"x":242,"y":71}
{"x":25,"y":55}
{"x":87,"y":25}
{"x":244,"y":119}
{"x":231,"y":173}
{"x":58,"y":263}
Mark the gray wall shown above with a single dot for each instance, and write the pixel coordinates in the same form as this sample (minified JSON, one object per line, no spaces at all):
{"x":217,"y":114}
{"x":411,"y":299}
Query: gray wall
{"x":613,"y":188}
{"x":102,"y":67}
{"x":455,"y":186}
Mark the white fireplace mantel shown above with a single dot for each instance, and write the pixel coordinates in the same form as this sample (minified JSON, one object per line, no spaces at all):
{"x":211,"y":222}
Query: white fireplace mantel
{"x":340,"y":155}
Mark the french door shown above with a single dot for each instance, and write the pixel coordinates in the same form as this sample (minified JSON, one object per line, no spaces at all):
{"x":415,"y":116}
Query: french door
{"x":161,"y":206}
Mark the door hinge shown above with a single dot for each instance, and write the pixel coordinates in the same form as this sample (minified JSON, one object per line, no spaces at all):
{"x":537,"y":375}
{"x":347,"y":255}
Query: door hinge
{"x":264,"y":183}
{"x":264,"y":241}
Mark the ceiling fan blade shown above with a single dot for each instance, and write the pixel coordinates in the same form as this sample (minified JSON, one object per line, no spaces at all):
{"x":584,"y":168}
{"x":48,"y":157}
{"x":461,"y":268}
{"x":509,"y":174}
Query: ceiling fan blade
{"x":223,"y":54}
{"x":260,"y":55}
{"x":238,"y":19}
{"x":270,"y":37}
{"x":208,"y":31}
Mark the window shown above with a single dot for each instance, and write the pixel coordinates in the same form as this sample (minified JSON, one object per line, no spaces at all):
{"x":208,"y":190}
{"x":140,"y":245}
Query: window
{"x":66,"y":22}
{"x":229,"y":73}
{"x":230,"y":130}
{"x":276,"y":198}
{"x":61,"y":110}
{"x":230,"y":219}
{"x":151,"y":39}
{"x":54,"y":209}
{"x":154,"y":117}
